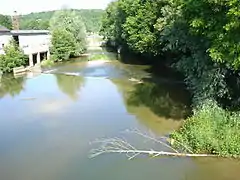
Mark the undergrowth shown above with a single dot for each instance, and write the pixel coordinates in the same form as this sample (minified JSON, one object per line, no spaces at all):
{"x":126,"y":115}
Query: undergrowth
{"x":211,"y":130}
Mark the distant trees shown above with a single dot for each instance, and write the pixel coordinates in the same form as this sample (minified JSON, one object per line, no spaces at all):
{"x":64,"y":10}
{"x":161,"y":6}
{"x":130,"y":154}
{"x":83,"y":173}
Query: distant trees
{"x":5,"y":21}
{"x":68,"y":34}
{"x":90,"y":17}
{"x":12,"y":58}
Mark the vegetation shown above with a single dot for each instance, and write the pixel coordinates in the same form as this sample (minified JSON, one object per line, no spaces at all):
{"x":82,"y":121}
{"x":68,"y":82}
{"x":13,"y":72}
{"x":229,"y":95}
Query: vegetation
{"x":99,"y":57}
{"x":41,"y":20}
{"x":68,"y":35}
{"x":12,"y":58}
{"x":5,"y":21}
{"x":47,"y":62}
{"x":211,"y":129}
{"x":199,"y":39}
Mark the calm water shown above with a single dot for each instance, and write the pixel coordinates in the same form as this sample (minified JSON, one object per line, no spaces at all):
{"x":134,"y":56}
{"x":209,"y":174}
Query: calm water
{"x":48,"y":122}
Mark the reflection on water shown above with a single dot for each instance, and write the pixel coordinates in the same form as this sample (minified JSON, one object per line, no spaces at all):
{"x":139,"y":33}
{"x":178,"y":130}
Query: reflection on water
{"x":11,"y":86}
{"x":166,"y":100}
{"x":48,"y":137}
{"x":70,"y":85}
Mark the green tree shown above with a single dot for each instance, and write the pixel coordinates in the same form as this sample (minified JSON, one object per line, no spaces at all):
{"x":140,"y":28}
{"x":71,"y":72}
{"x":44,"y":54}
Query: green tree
{"x":13,"y":57}
{"x":63,"y":44}
{"x":5,"y":21}
{"x":72,"y":23}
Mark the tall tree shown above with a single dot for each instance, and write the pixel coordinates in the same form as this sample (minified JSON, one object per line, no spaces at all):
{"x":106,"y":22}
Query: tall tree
{"x":72,"y":23}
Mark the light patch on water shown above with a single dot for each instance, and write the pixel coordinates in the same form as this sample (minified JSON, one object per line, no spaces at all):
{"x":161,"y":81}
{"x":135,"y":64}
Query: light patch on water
{"x":72,"y":73}
{"x":52,"y":106}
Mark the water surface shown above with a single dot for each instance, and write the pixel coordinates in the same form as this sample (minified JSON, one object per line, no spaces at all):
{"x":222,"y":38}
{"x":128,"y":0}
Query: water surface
{"x":48,"y":121}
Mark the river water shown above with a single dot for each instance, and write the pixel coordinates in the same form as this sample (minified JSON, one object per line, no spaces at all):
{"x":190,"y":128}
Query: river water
{"x":49,"y":121}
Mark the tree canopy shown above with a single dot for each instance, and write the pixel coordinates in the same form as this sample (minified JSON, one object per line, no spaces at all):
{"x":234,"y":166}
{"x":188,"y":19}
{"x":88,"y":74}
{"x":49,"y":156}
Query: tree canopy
{"x":201,"y":36}
{"x":68,"y":34}
{"x":91,"y":18}
{"x":5,"y":21}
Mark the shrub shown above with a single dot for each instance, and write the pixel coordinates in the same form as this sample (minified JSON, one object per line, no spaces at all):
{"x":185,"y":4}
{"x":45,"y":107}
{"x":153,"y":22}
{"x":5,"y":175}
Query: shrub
{"x":47,"y":63}
{"x":211,"y":130}
{"x":13,"y":57}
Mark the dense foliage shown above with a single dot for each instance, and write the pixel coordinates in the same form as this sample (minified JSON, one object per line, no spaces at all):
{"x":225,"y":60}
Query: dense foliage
{"x":40,"y":20}
{"x":5,"y":21}
{"x":211,"y":129}
{"x":201,"y":37}
{"x":12,"y":58}
{"x":68,"y":35}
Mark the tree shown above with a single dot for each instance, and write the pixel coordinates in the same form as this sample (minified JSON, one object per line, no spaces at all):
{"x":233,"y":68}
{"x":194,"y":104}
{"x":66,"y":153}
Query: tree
{"x":63,"y":44}
{"x":5,"y":21}
{"x":13,"y":57}
{"x":202,"y":39}
{"x":71,"y":23}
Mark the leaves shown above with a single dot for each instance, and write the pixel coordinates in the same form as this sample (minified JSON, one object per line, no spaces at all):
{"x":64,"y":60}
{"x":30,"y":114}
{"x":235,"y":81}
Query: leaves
{"x":5,"y":21}
{"x":68,"y":34}
{"x":12,"y":58}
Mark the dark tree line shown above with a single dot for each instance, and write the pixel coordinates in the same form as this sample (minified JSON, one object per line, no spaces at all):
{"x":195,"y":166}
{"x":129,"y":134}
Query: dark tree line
{"x":202,"y":35}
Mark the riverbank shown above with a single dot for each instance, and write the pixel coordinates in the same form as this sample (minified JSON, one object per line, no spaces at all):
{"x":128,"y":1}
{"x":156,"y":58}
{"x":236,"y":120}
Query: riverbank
{"x":211,"y":130}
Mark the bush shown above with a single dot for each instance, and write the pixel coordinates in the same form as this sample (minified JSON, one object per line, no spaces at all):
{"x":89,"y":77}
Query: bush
{"x":47,"y":63}
{"x":12,"y":58}
{"x":211,"y":130}
{"x":63,"y":44}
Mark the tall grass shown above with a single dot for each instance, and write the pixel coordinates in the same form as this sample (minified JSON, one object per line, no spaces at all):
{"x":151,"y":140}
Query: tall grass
{"x":211,"y":130}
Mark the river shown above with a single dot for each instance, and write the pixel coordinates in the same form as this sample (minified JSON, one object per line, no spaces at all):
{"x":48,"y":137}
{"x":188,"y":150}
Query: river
{"x":49,"y":121}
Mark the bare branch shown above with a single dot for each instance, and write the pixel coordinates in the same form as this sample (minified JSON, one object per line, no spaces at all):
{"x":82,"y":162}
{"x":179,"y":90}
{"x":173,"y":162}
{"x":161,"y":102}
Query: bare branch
{"x":152,"y":138}
{"x":121,"y":146}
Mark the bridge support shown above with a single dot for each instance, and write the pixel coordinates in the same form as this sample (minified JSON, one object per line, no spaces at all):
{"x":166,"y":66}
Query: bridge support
{"x":38,"y":58}
{"x":30,"y":60}
{"x":48,"y":54}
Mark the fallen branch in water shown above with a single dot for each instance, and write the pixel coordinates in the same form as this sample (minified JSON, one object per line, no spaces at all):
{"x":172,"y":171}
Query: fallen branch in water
{"x":117,"y":145}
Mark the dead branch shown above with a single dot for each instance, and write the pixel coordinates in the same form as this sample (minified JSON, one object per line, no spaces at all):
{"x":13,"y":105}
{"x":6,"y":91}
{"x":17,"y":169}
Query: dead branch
{"x":117,"y":145}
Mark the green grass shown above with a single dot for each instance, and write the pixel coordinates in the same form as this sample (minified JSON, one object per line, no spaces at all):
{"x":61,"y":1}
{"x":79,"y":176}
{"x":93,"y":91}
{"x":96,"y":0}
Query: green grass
{"x":211,"y":130}
{"x":98,"y":57}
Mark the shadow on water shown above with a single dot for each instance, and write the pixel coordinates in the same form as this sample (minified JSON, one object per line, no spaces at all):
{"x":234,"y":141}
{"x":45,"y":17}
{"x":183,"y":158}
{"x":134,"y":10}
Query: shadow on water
{"x":166,"y":99}
{"x":12,"y":86}
{"x":69,"y":85}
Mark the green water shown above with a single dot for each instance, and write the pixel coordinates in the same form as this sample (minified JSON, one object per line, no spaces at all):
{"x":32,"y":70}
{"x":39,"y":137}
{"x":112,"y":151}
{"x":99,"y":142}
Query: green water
{"x":49,"y":120}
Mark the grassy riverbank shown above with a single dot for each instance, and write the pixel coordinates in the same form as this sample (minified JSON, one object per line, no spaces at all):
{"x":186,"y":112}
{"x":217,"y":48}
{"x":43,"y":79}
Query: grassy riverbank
{"x":211,"y":130}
